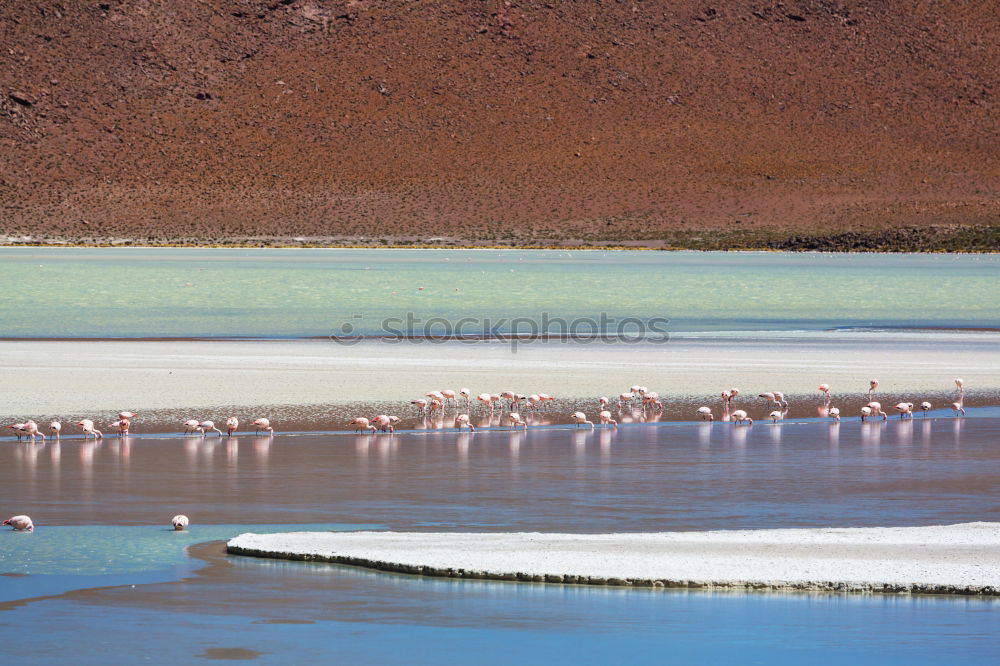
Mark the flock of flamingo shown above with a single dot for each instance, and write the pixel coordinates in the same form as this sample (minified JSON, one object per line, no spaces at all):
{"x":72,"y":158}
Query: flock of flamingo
{"x":513,"y":403}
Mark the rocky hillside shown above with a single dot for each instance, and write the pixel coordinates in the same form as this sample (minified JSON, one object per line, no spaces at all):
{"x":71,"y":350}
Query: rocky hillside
{"x":648,"y":122}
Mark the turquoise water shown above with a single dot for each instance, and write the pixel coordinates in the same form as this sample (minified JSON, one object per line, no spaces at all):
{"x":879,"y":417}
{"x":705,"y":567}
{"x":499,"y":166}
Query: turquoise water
{"x":128,"y":292}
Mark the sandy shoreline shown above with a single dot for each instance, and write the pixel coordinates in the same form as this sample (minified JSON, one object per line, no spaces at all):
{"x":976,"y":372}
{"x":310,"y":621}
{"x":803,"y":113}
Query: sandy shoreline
{"x":946,"y":559}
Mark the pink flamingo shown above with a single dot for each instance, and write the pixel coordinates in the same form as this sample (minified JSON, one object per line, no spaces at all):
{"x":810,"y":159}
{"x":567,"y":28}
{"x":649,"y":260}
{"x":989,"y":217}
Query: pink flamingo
{"x":834,"y":413}
{"x":467,"y":394}
{"x":361,"y":423}
{"x":486,"y":401}
{"x":127,"y":415}
{"x":516,"y":420}
{"x":421,"y":406}
{"x":872,"y":385}
{"x":959,"y":406}
{"x":876,"y":408}
{"x":435,"y":395}
{"x":18,"y":429}
{"x":706,"y":413}
{"x":435,"y":406}
{"x":385,"y":422}
{"x":262,"y":424}
{"x":604,"y":402}
{"x":179,"y":522}
{"x":776,"y":416}
{"x":31,"y":428}
{"x":652,"y":399}
{"x":462,"y":421}
{"x":825,"y":390}
{"x":866,"y":412}
{"x":232,"y":423}
{"x":449,"y":395}
{"x":122,"y":425}
{"x":190,"y":426}
{"x":205,"y":426}
{"x":740,"y":416}
{"x":905,"y":409}
{"x":88,"y":429}
{"x":925,"y":407}
{"x":625,"y":400}
{"x":22,"y":523}
{"x":55,"y":428}
{"x":729,"y":396}
{"x":579,"y":418}
{"x":545,"y":398}
{"x":534,"y":401}
{"x":606,"y":419}
{"x":510,"y":397}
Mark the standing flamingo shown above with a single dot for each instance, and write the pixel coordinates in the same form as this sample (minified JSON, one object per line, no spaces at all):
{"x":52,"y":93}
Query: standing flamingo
{"x":262,"y":424}
{"x":728,"y":397}
{"x":449,"y":395}
{"x":706,"y":414}
{"x":361,"y":423}
{"x":905,"y":409}
{"x":834,"y":413}
{"x":652,"y":400}
{"x":776,"y":416}
{"x":205,"y":426}
{"x":31,"y":428}
{"x":232,"y":423}
{"x":485,"y":401}
{"x":866,"y":412}
{"x":825,"y":390}
{"x":533,"y":401}
{"x":385,"y":422}
{"x":876,"y":408}
{"x":516,"y":420}
{"x":625,"y":399}
{"x":462,"y":421}
{"x":88,"y":429}
{"x":421,"y":406}
{"x":467,"y":394}
{"x":925,"y":407}
{"x":122,"y":425}
{"x":740,"y":416}
{"x":579,"y":418}
{"x":545,"y":398}
{"x":20,"y":523}
{"x":872,"y":385}
{"x":55,"y":428}
{"x":190,"y":426}
{"x":959,"y":406}
{"x":606,"y":419}
{"x":127,"y":415}
{"x":18,"y":429}
{"x":603,"y":402}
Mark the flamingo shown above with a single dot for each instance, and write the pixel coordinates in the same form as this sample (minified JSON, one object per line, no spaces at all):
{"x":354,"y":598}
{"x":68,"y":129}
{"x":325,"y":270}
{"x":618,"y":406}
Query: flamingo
{"x":127,"y":415}
{"x":20,"y":523}
{"x":533,"y":401}
{"x":905,"y":409}
{"x":484,"y":399}
{"x":385,"y":422}
{"x":545,"y":397}
{"x":31,"y":429}
{"x":579,"y":418}
{"x":361,"y":423}
{"x":262,"y":424}
{"x":232,"y":423}
{"x":435,"y":395}
{"x":872,"y":385}
{"x":122,"y":425}
{"x":834,"y":413}
{"x":604,"y":402}
{"x":652,"y":398}
{"x":190,"y":426}
{"x":88,"y":429}
{"x":925,"y":407}
{"x":865,"y":413}
{"x":180,"y":521}
{"x":495,"y":399}
{"x":18,"y":429}
{"x":516,"y":420}
{"x":467,"y":394}
{"x":449,"y":395}
{"x":706,"y":414}
{"x":435,"y":405}
{"x":959,"y":406}
{"x":624,"y":399}
{"x":825,"y":390}
{"x":776,"y":416}
{"x":462,"y":421}
{"x":510,"y":397}
{"x":605,"y":417}
{"x":205,"y":426}
{"x":740,"y":416}
{"x":421,"y":406}
{"x":55,"y":428}
{"x":729,"y":396}
{"x":876,"y":408}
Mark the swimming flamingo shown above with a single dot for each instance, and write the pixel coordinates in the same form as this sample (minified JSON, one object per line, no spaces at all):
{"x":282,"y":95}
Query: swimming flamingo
{"x":122,"y":425}
{"x":925,"y":407}
{"x":20,"y":523}
{"x":872,"y":385}
{"x":263,"y":424}
{"x":605,"y":417}
{"x":232,"y":423}
{"x":361,"y":423}
{"x":462,"y":421}
{"x":740,"y":416}
{"x":579,"y":418}
{"x":180,"y":521}
{"x":55,"y":428}
{"x":834,"y":413}
{"x":516,"y":420}
{"x":31,"y":428}
{"x":205,"y":426}
{"x":88,"y":429}
{"x":706,"y":414}
{"x":905,"y":409}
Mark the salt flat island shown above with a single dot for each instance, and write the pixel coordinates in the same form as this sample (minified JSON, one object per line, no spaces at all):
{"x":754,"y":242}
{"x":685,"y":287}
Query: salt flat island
{"x":944,"y":559}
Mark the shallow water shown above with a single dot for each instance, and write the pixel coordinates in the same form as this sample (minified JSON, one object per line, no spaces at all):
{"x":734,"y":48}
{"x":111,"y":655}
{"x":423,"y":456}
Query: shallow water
{"x":167,"y":292}
{"x":640,"y":478}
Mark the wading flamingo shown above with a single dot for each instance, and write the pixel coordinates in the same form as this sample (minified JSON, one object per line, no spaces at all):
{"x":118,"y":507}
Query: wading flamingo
{"x":959,"y":406}
{"x":515,"y":420}
{"x":361,"y":423}
{"x":55,"y":428}
{"x":652,"y":399}
{"x":88,"y":429}
{"x":232,"y":423}
{"x":728,"y":397}
{"x":872,"y":385}
{"x":421,"y":406}
{"x":865,"y":413}
{"x":467,"y":394}
{"x":462,"y":421}
{"x":606,"y":419}
{"x":485,"y":401}
{"x":740,"y":416}
{"x":121,"y":425}
{"x":449,"y":395}
{"x":127,"y":415}
{"x":776,"y":416}
{"x":22,"y":523}
{"x":834,"y":413}
{"x":263,"y":424}
{"x":624,"y":399}
{"x":579,"y":418}
{"x":905,"y":409}
{"x":545,"y":398}
{"x":706,"y":414}
{"x":925,"y":407}
{"x":18,"y":429}
{"x":205,"y":426}
{"x":825,"y":390}
{"x":876,"y":408}
{"x":384,"y":422}
{"x":603,"y":402}
{"x":179,"y":522}
{"x":534,"y":401}
{"x":435,"y":395}
{"x":190,"y":426}
{"x":31,"y":429}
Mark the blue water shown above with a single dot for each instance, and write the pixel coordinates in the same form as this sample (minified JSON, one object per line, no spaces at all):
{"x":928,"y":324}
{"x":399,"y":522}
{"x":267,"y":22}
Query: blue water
{"x":168,"y":292}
